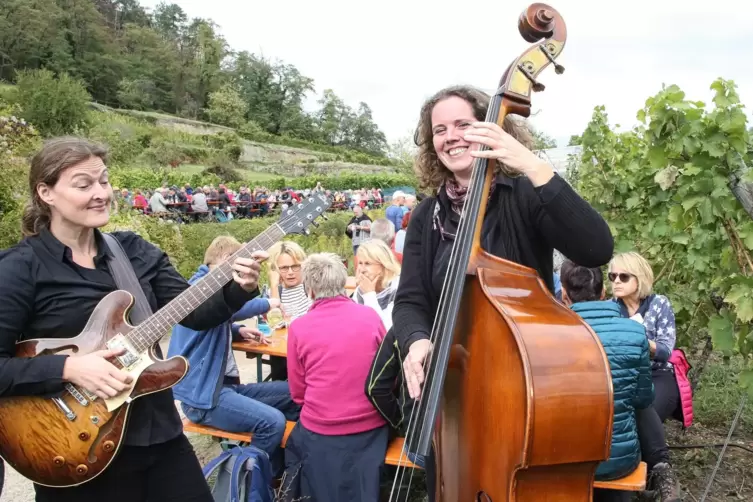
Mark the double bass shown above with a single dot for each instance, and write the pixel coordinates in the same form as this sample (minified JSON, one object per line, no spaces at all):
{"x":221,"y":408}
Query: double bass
{"x":517,"y":400}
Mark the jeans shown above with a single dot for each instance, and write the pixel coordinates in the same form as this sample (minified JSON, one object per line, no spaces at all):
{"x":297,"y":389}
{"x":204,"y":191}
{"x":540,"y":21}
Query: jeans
{"x":654,"y":448}
{"x":260,"y":408}
{"x":164,"y":472}
{"x":666,"y":393}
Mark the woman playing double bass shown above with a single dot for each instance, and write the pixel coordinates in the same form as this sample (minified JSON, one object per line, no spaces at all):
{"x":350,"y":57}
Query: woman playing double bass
{"x":531,"y":210}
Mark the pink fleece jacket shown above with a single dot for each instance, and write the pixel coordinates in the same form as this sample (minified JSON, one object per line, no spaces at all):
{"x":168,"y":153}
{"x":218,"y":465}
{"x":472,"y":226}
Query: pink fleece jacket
{"x":330,"y":350}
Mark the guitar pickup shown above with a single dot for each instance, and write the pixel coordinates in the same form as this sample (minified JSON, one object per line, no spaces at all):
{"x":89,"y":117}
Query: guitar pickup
{"x":131,"y":355}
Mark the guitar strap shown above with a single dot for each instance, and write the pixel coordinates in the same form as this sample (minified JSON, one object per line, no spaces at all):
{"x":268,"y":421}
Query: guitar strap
{"x":125,"y":278}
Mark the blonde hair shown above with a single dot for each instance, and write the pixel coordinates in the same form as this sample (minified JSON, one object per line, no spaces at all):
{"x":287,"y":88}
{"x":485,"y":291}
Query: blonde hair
{"x":55,"y":156}
{"x":220,"y":248}
{"x":634,"y":263}
{"x":377,"y":251}
{"x":430,"y":171}
{"x":289,"y":248}
{"x":324,"y":275}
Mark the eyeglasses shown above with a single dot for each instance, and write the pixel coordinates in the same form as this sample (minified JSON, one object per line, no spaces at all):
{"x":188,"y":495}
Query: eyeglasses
{"x":288,"y":268}
{"x":624,"y":277}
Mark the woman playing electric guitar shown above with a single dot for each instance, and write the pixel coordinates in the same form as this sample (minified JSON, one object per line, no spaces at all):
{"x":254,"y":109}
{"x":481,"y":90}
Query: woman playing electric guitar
{"x":51,"y":283}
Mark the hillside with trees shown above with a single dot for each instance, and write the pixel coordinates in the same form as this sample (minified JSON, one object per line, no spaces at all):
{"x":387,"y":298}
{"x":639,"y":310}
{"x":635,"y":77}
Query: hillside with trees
{"x":164,"y":61}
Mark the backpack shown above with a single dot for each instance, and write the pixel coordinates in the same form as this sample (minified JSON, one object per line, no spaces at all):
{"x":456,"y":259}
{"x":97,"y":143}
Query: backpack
{"x":245,"y":475}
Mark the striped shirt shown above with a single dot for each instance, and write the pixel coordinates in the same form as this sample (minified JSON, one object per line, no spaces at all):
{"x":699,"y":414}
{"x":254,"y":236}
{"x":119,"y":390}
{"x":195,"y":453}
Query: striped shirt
{"x":294,"y":301}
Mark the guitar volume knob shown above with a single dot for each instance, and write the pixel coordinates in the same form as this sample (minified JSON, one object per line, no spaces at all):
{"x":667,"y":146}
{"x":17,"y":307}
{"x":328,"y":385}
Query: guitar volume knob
{"x":81,"y":469}
{"x":58,"y":461}
{"x":108,"y":446}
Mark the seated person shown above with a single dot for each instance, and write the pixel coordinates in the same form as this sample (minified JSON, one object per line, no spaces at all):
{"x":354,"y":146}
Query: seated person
{"x":377,"y":276}
{"x":336,"y":451}
{"x":211,"y":393}
{"x":285,"y":284}
{"x":627,"y":349}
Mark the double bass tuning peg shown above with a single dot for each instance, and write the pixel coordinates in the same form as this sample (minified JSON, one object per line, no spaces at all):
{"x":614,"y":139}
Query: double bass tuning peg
{"x":558,"y":68}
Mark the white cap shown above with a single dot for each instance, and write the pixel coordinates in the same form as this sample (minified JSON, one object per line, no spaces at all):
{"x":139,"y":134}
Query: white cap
{"x":398,"y":193}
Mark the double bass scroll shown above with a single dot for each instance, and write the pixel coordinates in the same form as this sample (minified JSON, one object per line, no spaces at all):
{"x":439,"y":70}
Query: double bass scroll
{"x":518,"y":400}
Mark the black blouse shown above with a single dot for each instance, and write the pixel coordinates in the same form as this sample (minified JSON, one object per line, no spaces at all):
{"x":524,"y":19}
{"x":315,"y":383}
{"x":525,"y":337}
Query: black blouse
{"x":44,"y":294}
{"x":523,"y":224}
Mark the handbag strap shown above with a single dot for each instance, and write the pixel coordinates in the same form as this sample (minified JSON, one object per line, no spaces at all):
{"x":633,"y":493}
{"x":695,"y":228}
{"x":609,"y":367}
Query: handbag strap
{"x":125,"y":278}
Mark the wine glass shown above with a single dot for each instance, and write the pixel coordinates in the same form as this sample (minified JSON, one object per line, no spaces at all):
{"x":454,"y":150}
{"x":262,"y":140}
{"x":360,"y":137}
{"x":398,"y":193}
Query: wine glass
{"x":274,"y":317}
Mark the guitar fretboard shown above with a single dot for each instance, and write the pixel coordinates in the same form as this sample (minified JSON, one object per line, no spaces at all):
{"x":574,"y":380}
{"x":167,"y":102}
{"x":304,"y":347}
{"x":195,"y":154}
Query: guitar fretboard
{"x":152,"y":329}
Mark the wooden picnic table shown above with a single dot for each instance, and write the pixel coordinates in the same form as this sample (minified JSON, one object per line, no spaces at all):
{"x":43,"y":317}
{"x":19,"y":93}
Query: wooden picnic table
{"x":277,"y":348}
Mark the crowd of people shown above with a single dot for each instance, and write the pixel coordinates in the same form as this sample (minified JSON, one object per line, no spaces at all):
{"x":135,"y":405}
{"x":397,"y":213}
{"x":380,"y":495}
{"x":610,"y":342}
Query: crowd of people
{"x":355,"y":362}
{"x":185,"y":204}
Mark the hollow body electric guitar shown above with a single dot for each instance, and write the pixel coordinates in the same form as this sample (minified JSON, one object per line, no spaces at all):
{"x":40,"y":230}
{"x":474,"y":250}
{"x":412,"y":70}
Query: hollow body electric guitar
{"x":70,"y":439}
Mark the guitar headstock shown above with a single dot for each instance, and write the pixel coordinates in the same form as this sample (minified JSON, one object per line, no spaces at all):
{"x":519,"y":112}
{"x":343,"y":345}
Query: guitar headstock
{"x":297,"y":218}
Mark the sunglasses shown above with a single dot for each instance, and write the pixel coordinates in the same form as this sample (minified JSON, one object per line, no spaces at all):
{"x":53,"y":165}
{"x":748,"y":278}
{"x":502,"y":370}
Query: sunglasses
{"x":624,"y":277}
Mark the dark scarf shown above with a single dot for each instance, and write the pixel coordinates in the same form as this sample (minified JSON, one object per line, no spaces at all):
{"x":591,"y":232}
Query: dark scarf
{"x":456,"y":195}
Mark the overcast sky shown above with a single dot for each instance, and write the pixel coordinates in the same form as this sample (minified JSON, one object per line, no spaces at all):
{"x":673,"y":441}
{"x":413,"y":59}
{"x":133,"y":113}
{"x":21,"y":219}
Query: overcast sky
{"x":393,"y":54}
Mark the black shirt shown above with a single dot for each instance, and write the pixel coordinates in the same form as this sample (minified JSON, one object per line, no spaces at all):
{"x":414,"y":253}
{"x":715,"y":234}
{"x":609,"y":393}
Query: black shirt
{"x":523,"y":224}
{"x":44,"y":294}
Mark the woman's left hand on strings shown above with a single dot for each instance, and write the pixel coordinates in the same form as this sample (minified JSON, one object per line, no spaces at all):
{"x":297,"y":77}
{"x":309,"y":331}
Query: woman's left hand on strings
{"x":508,"y":151}
{"x":246,"y":270}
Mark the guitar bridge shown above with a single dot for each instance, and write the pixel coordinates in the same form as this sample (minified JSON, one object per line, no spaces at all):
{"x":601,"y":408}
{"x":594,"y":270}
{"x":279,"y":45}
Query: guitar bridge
{"x":73,"y":391}
{"x":131,"y":355}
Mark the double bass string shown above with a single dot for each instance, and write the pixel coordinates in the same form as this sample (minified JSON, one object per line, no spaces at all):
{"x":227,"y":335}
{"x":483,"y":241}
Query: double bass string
{"x":449,"y":285}
{"x":453,"y":283}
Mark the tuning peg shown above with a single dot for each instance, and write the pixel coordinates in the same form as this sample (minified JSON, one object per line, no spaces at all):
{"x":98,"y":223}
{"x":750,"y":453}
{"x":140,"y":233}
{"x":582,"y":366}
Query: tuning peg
{"x":314,"y":223}
{"x":307,"y":231}
{"x":324,"y":216}
{"x":558,"y":68}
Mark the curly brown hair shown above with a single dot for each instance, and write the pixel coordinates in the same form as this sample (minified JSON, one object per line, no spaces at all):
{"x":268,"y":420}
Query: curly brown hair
{"x":430,"y":171}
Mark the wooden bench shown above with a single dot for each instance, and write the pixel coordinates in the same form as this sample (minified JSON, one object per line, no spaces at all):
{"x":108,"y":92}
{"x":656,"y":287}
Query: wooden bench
{"x":633,"y":482}
{"x":394,"y":449}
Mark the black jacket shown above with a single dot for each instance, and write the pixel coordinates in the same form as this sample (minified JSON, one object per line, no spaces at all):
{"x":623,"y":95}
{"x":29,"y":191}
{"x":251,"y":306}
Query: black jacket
{"x":523,"y":224}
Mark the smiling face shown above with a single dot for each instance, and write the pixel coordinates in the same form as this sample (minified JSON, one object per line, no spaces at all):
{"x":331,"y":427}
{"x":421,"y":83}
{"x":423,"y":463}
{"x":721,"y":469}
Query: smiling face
{"x":81,"y":196}
{"x":449,"y":120}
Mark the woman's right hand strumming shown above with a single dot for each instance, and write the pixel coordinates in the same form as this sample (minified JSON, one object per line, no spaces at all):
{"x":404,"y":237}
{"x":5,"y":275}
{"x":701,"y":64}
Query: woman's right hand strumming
{"x":96,"y":374}
{"x":413,"y":366}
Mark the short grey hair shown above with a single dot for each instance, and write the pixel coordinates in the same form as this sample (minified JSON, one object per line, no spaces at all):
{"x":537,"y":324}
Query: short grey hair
{"x":324,"y":275}
{"x":384,"y":230}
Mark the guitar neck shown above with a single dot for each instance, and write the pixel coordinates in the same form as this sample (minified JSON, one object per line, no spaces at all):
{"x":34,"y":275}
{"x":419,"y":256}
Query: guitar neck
{"x":158,"y":324}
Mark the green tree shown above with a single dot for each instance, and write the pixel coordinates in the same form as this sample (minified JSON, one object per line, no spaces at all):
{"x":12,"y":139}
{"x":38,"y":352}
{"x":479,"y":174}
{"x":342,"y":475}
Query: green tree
{"x":542,"y":141}
{"x":226,"y":107}
{"x":55,"y":105}
{"x":575,"y":140}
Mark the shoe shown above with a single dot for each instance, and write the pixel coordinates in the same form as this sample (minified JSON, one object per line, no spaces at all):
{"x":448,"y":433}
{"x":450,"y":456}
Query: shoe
{"x":664,"y":483}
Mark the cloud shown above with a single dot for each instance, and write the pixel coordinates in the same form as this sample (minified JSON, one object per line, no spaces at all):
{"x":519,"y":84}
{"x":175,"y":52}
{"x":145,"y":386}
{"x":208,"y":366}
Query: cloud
{"x":394,"y":54}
